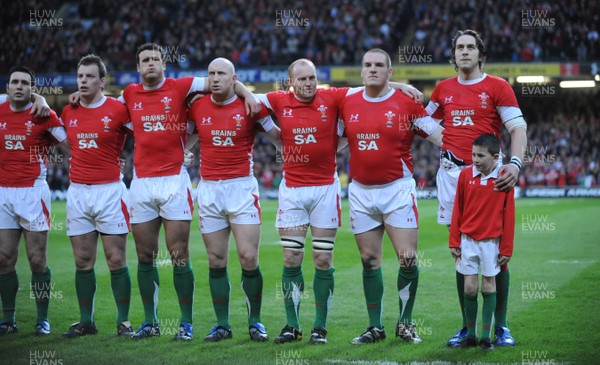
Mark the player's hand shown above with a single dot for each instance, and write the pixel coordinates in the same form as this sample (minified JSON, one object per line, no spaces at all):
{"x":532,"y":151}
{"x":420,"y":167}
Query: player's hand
{"x":455,"y":252}
{"x":508,"y":178}
{"x":503,"y":260}
{"x":413,"y":93}
{"x":74,"y":98}
{"x":188,"y":158}
{"x":252,"y":105}
{"x":40,"y":108}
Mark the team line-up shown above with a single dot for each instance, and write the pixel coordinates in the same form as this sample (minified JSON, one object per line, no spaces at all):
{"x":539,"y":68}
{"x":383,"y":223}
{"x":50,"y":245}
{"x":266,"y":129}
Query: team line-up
{"x":167,"y":117}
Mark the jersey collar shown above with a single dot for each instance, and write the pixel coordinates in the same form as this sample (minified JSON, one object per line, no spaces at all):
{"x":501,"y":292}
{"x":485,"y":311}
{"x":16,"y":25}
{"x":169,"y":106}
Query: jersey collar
{"x":226,"y":102}
{"x":471,"y":82}
{"x":16,"y":110}
{"x":379,"y":98}
{"x":94,"y":105}
{"x":155,"y":87}
{"x":492,"y":175}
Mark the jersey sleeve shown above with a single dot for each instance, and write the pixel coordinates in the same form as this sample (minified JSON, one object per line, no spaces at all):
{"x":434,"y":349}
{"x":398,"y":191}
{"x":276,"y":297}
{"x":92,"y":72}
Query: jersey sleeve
{"x":197,"y":85}
{"x":274,"y":99}
{"x":508,"y":229}
{"x":454,"y":241}
{"x":434,"y":107}
{"x":422,"y":121}
{"x":339,"y":93}
{"x":504,"y":95}
{"x":55,"y":128}
{"x":264,"y":120}
{"x":264,"y":99}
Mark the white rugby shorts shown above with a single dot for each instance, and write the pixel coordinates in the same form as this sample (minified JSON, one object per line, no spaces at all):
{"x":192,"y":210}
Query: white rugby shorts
{"x":169,"y":197}
{"x":394,"y":203}
{"x":99,"y":207}
{"x":227,"y":201}
{"x":27,"y":208}
{"x":320,"y":206}
{"x":478,"y":254}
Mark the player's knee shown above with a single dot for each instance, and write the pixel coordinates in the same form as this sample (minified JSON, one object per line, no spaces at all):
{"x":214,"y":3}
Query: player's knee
{"x":370,"y":262}
{"x":471,"y":289}
{"x":146,"y":256}
{"x":488,"y":284}
{"x":115,"y":262}
{"x":322,"y":260}
{"x":37,"y":263}
{"x":408,"y":263}
{"x":248,"y":260}
{"x":7,"y":263}
{"x":217,"y":260}
{"x":292,"y":258}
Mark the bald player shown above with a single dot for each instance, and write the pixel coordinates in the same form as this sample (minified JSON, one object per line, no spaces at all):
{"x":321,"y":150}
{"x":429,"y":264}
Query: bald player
{"x":309,"y":194}
{"x":228,"y":194}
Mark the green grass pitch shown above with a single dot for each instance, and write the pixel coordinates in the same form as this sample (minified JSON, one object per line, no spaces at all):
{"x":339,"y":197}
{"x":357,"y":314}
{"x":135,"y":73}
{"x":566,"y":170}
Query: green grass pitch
{"x":555,"y":292}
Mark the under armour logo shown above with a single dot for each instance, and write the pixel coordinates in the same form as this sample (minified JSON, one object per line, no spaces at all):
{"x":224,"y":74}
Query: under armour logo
{"x":137,"y":106}
{"x":353,"y":118}
{"x":73,"y":123}
{"x":3,"y":125}
{"x":287,"y":112}
{"x":206,"y":120}
{"x":448,"y":99}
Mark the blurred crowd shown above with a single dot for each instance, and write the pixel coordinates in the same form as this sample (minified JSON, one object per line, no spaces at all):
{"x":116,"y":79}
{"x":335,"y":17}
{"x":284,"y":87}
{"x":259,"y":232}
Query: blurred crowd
{"x":513,"y":31}
{"x":263,"y":33}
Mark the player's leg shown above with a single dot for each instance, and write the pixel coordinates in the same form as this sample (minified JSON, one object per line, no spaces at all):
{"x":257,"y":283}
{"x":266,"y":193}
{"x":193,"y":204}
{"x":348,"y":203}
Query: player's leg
{"x":488,"y":291}
{"x":323,"y":284}
{"x":112,"y":221}
{"x":176,"y":210}
{"x":325,"y":218}
{"x":115,"y":250}
{"x":247,"y":238}
{"x":292,"y":280}
{"x":177,"y":233}
{"x":503,"y":336}
{"x":292,"y":222}
{"x":84,"y":250}
{"x":145,"y":227}
{"x":146,"y":245}
{"x":370,"y":247}
{"x":401,"y":222}
{"x":470,"y":299}
{"x":217,"y":249}
{"x":446,"y":182}
{"x":242,"y":203}
{"x":214,"y":226}
{"x":9,"y":282}
{"x":405,"y":241}
{"x":366,"y":223}
{"x":489,"y":269}
{"x":36,"y":245}
{"x":469,"y":265}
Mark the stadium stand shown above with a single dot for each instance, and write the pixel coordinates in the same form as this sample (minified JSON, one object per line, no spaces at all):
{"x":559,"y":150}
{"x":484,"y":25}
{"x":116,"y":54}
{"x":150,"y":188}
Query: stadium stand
{"x":563,"y":146}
